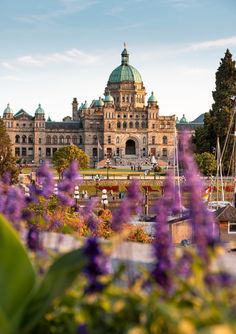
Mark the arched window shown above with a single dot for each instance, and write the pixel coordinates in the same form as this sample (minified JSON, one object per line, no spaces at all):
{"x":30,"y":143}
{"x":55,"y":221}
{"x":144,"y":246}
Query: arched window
{"x":17,"y":139}
{"x":48,"y":140}
{"x":162,"y":126}
{"x":131,"y":125}
{"x":24,"y":138}
{"x":164,"y":152}
{"x":118,"y":125}
{"x":117,"y":140}
{"x":109,"y":126}
{"x":124,"y":125}
{"x":168,"y":125}
{"x":164,"y":140}
{"x":137,"y":125}
{"x":68,"y":140}
{"x":80,"y":140}
{"x":153,"y":140}
{"x":40,"y":140}
{"x":61,"y":140}
{"x":74,"y":140}
{"x":143,"y":125}
{"x":54,"y":139}
{"x":144,"y":141}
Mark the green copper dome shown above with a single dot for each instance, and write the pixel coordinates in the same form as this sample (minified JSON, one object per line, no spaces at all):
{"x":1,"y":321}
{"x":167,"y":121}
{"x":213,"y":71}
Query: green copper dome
{"x":183,"y":119}
{"x":152,"y":98}
{"x":8,"y":110}
{"x":99,"y":103}
{"x":108,"y":98}
{"x":85,"y":105}
{"x":39,"y":110}
{"x":125,"y":72}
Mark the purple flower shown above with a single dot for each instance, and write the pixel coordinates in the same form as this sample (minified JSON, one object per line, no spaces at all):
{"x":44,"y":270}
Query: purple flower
{"x":14,"y":204}
{"x":162,"y":248}
{"x":96,"y":265}
{"x":129,"y":207}
{"x":82,"y":329}
{"x":183,"y":266}
{"x":33,"y":241}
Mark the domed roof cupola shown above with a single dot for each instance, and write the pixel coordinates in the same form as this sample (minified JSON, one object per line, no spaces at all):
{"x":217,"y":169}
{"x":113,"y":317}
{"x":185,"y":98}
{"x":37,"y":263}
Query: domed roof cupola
{"x":39,"y":110}
{"x":125,"y":72}
{"x":8,"y":110}
{"x":183,"y":120}
{"x":99,"y":103}
{"x":85,"y":105}
{"x":152,"y":98}
{"x":108,"y":98}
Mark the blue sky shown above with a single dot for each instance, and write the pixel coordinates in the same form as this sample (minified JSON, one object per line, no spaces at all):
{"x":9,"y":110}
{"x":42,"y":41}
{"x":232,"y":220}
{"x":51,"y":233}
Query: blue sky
{"x":55,"y":50}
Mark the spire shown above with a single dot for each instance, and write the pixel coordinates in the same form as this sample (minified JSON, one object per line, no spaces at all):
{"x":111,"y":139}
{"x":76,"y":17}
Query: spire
{"x":124,"y":56}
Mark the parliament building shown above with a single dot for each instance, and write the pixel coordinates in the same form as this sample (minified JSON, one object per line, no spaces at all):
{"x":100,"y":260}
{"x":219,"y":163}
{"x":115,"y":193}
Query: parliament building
{"x":122,"y":126}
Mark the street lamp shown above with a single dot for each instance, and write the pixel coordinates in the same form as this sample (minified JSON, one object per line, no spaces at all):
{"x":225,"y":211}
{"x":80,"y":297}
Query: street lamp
{"x":97,"y":179}
{"x":108,"y":165}
{"x":55,"y":191}
{"x":76,"y":194}
{"x":104,"y":200}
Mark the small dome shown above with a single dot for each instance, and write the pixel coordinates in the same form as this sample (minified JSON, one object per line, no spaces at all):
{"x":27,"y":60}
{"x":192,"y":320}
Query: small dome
{"x":152,"y":98}
{"x":85,"y":105}
{"x":81,"y":106}
{"x":99,"y":103}
{"x":39,"y":110}
{"x":177,"y":120}
{"x":108,"y":98}
{"x":8,"y":110}
{"x":183,"y":119}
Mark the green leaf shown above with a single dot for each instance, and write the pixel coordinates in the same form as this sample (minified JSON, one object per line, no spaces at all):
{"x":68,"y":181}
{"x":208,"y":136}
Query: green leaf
{"x":59,"y":277}
{"x":17,"y":276}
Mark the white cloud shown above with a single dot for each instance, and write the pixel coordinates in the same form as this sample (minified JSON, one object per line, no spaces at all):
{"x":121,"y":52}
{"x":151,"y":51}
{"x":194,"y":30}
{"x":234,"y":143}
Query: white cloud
{"x":68,"y":7}
{"x":224,"y":42}
{"x":73,"y":56}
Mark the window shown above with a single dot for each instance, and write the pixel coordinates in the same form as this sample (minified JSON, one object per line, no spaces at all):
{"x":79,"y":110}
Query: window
{"x":61,"y":140}
{"x":168,"y":125}
{"x":24,"y":140}
{"x":137,"y":125}
{"x":48,"y":151}
{"x":74,"y":140}
{"x":162,"y":126}
{"x":153,"y":125}
{"x":123,"y":99}
{"x":164,"y":140}
{"x":40,"y":141}
{"x":231,"y":227}
{"x":118,"y":125}
{"x":23,"y":151}
{"x":144,"y":141}
{"x":48,"y":140}
{"x":164,"y":152}
{"x":109,"y":126}
{"x":153,"y":140}
{"x":117,"y":140}
{"x":143,"y":125}
{"x":17,"y":151}
{"x":30,"y":140}
{"x":109,"y":139}
{"x":54,"y":139}
{"x":124,"y":116}
{"x":124,"y":125}
{"x":80,"y":140}
{"x":68,"y":140}
{"x":95,"y":152}
{"x":17,"y":139}
{"x":95,"y":139}
{"x":131,"y":125}
{"x":54,"y":150}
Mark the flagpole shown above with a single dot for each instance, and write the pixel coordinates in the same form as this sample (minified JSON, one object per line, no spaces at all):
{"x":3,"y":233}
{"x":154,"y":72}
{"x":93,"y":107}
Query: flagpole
{"x":98,"y":152}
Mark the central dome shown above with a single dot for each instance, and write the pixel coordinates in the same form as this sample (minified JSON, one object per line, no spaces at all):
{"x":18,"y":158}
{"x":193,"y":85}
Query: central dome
{"x":125,"y":72}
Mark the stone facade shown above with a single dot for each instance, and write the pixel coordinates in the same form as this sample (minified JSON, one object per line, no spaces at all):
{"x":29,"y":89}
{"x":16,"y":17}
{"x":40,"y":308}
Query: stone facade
{"x":120,"y":126}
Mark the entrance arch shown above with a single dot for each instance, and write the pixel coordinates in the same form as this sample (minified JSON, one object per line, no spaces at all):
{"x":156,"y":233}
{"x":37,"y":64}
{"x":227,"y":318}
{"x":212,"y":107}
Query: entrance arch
{"x":130,"y":147}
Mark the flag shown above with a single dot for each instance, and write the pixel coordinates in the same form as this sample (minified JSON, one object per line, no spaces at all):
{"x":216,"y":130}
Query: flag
{"x":99,"y":146}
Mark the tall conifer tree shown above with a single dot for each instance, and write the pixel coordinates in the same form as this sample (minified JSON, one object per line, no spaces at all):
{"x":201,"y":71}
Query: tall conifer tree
{"x":7,"y":161}
{"x":217,"y":121}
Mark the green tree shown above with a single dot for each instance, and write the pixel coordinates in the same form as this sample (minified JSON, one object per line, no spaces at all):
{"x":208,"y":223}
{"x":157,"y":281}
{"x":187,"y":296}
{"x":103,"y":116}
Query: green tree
{"x":217,"y":121}
{"x":65,"y":155}
{"x":7,"y":161}
{"x":206,"y":163}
